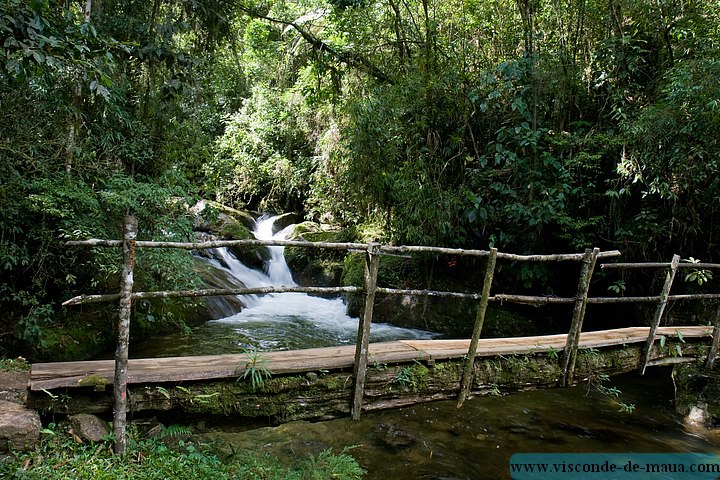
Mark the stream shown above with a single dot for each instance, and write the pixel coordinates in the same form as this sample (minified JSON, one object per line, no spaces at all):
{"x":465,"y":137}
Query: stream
{"x":437,"y":441}
{"x":280,"y":321}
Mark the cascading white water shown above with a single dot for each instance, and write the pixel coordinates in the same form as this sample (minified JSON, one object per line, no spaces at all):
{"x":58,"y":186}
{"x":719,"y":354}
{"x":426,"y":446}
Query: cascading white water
{"x":292,"y":320}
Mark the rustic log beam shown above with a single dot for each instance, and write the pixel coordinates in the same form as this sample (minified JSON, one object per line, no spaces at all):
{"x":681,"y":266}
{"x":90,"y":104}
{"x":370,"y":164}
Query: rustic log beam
{"x":658,"y":265}
{"x":130,"y":227}
{"x":477,"y":329}
{"x":384,"y":249}
{"x":659,"y":312}
{"x":218,"y":244}
{"x":573,"y":338}
{"x":372,"y":266}
{"x":715,"y":342}
{"x":215,"y":292}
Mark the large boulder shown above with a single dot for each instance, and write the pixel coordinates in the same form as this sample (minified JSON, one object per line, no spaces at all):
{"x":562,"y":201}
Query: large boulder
{"x":19,"y":427}
{"x":285,"y":220}
{"x":13,"y":386}
{"x":89,"y":427}
{"x":316,"y":266}
{"x":209,"y":216}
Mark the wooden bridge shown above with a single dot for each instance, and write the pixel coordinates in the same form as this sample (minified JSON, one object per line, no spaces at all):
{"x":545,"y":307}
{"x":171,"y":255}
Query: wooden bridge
{"x":181,"y":370}
{"x":317,"y":383}
{"x":332,"y":381}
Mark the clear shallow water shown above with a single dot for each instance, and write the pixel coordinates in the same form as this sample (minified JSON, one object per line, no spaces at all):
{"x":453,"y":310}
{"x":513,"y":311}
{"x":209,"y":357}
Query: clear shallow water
{"x":438,"y":441}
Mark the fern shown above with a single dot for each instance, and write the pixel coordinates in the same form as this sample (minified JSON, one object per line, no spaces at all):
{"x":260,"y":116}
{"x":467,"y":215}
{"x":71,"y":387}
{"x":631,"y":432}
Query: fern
{"x":174,"y":431}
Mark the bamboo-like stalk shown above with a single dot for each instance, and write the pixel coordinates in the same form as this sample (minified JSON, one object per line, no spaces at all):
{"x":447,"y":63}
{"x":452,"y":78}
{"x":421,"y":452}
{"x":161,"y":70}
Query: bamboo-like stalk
{"x":121,"y":354}
{"x":573,"y":338}
{"x":467,"y":376}
{"x":645,"y":358}
{"x":372,"y":266}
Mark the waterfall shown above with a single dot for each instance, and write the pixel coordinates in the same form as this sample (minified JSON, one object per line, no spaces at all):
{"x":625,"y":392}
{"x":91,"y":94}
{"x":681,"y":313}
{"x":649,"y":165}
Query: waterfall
{"x":290,"y":320}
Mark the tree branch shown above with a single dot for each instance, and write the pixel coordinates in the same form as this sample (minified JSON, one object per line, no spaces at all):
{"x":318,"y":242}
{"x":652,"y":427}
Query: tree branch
{"x":352,"y":59}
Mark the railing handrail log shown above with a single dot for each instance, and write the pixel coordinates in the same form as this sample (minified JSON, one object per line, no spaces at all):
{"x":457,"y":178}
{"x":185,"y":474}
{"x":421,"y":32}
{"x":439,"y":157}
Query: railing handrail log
{"x":212,"y":292}
{"x":658,"y":265}
{"x":93,"y":242}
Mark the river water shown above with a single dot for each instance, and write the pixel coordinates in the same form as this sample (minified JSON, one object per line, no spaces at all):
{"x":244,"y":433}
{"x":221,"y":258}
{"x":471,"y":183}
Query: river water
{"x":283,"y":321}
{"x":437,"y":441}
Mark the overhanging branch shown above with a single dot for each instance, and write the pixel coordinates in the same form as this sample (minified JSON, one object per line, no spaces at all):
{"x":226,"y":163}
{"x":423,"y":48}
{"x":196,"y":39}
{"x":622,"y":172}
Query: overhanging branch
{"x":352,"y":59}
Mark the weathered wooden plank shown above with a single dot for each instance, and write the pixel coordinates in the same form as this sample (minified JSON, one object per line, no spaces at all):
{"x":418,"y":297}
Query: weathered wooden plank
{"x":209,"y":367}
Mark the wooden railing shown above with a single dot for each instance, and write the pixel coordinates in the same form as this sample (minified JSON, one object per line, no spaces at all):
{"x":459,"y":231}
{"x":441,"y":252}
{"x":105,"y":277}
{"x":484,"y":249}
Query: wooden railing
{"x":373,"y":252}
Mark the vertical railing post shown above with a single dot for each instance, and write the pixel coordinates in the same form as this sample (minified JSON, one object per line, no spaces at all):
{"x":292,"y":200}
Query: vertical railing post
{"x":573,"y":338}
{"x":467,"y":376}
{"x":372,"y":265}
{"x":715,"y":341}
{"x":121,"y":354}
{"x":662,"y":303}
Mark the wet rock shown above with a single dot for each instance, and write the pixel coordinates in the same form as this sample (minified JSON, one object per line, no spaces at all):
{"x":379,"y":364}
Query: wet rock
{"x":285,"y":220}
{"x":393,"y":436}
{"x":89,"y":427}
{"x":19,"y":427}
{"x":698,"y":417}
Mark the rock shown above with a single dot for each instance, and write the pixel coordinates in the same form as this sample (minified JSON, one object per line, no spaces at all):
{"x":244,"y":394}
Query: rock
{"x":213,"y":216}
{"x":89,"y":427}
{"x":19,"y":426}
{"x":13,"y":386}
{"x":285,"y":220}
{"x":698,"y":417}
{"x":393,"y":436}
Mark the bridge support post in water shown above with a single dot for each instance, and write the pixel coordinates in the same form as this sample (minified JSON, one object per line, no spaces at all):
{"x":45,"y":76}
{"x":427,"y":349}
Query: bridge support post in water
{"x":467,"y":376}
{"x":372,"y":265}
{"x":715,"y":341}
{"x":130,"y":227}
{"x":645,"y":358}
{"x":573,"y":338}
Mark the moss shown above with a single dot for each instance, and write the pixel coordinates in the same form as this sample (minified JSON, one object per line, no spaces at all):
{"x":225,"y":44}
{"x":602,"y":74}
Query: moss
{"x":236,"y":231}
{"x":94,"y":381}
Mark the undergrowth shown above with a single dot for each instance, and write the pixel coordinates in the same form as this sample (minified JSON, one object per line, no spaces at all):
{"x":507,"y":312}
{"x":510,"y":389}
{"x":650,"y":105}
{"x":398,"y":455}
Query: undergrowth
{"x":60,"y":457}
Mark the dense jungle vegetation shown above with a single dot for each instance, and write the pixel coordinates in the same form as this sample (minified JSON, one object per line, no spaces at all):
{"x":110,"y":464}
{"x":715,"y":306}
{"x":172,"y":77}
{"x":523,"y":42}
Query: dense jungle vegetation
{"x":531,"y":125}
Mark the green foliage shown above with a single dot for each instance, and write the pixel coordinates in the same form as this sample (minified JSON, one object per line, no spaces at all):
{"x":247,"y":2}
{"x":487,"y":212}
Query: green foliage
{"x":264,"y":157}
{"x":60,"y":457}
{"x":255,"y":369}
{"x":618,"y":287}
{"x":697,"y":275}
{"x":14,"y":365}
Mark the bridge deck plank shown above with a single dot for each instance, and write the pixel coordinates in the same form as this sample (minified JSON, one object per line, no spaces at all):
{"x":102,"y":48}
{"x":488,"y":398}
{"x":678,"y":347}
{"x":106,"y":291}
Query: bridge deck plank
{"x":177,"y":369}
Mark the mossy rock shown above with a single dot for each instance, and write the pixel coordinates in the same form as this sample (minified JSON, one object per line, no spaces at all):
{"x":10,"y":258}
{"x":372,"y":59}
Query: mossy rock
{"x":316,"y":266}
{"x":285,"y":220}
{"x":695,"y":386}
{"x":210,"y":215}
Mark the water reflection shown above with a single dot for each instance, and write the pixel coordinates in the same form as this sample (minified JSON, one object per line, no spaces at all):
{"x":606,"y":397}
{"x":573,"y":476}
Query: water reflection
{"x":437,"y":441}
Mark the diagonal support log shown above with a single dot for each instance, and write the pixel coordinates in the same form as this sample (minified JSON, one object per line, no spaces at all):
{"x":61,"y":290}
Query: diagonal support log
{"x":659,"y":312}
{"x":573,"y":338}
{"x":372,"y":266}
{"x":477,"y":329}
